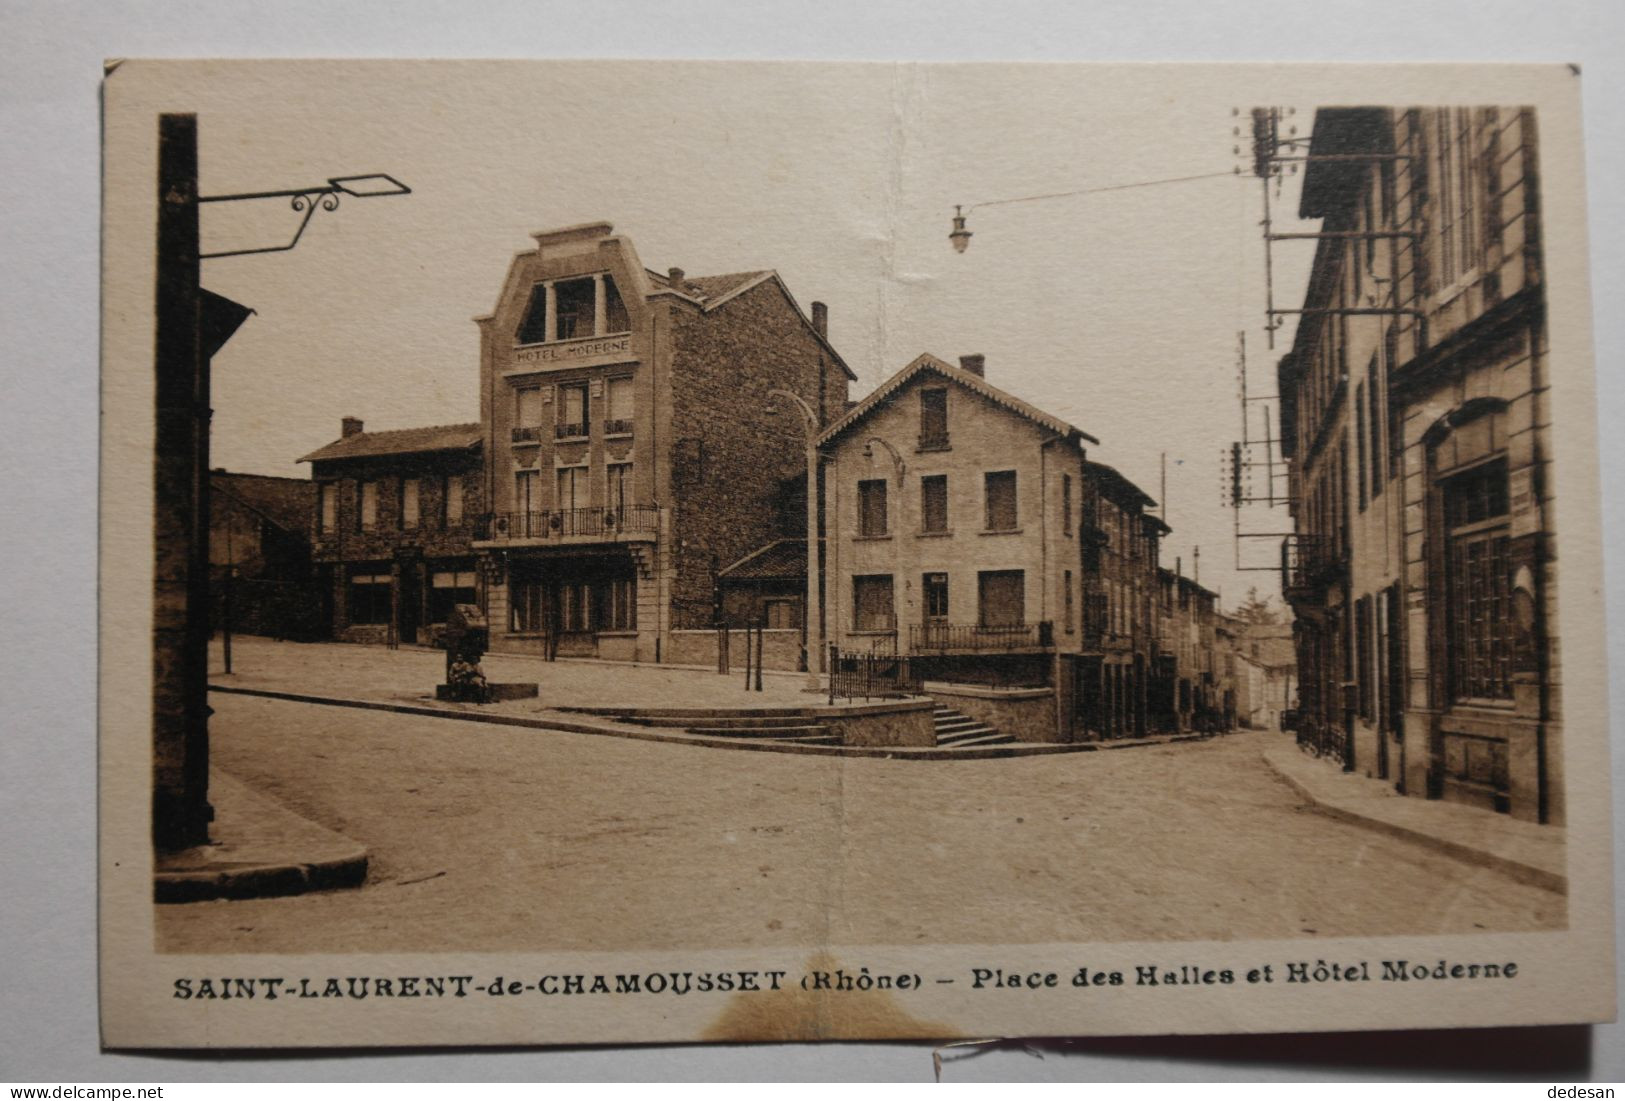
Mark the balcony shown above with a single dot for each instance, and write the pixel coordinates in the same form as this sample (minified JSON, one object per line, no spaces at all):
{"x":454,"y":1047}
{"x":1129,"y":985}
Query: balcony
{"x":567,"y":431}
{"x":563,"y":526}
{"x":527,"y":434}
{"x":971,"y":638}
{"x":1309,"y":565}
{"x":618,"y":427}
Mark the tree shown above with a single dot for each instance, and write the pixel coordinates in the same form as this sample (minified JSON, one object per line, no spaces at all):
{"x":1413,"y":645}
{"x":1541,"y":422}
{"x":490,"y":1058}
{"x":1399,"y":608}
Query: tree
{"x":1260,"y":610}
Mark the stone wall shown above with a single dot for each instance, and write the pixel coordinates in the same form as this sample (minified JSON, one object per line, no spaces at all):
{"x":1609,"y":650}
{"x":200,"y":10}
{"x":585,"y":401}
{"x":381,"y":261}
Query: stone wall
{"x":1026,"y":714}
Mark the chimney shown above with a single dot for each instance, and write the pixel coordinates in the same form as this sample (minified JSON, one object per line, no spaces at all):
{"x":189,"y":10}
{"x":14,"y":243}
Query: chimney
{"x":820,"y":319}
{"x":976,"y":365}
{"x":675,"y":275}
{"x":350,"y":426}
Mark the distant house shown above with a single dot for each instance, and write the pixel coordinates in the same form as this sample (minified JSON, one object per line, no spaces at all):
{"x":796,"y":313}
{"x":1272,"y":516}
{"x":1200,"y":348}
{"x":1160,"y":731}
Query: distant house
{"x":260,"y":575}
{"x":392,"y":516}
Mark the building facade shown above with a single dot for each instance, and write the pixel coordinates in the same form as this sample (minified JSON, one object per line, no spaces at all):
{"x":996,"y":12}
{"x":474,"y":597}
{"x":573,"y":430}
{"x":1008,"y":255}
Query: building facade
{"x":393,"y":522}
{"x":1422,"y":570}
{"x":631,"y":444}
{"x":971,"y":532}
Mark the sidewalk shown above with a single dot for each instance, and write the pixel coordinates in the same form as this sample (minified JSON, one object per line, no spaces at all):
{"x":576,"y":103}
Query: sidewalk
{"x":1526,"y":851}
{"x":260,"y":849}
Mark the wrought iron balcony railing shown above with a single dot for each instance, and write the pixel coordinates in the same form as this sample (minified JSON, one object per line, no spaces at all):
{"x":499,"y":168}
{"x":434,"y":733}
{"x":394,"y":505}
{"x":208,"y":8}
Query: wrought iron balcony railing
{"x":574,"y":431}
{"x":527,"y":434}
{"x":618,"y":427}
{"x":1309,"y":563}
{"x":563,"y":523}
{"x":970,"y":638}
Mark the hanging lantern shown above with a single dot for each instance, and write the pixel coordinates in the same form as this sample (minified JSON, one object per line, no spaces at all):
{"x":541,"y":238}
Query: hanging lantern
{"x":960,"y":236}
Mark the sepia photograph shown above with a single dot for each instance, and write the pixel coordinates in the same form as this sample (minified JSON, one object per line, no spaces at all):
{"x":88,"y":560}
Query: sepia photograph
{"x":603,"y":551}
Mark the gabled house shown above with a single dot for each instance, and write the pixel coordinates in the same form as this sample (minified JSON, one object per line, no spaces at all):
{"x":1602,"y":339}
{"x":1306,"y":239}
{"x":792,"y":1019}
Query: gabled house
{"x":969,"y":530}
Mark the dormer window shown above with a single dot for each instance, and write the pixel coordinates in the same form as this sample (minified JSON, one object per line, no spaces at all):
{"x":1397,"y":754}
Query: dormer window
{"x":572,"y":309}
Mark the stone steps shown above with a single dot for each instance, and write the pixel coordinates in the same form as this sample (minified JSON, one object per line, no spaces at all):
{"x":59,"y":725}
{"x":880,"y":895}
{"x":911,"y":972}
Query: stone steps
{"x":957,"y":730}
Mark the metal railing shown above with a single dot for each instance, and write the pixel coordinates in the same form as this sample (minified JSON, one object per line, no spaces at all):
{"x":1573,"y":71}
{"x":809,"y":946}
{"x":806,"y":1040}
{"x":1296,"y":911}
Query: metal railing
{"x":1308,"y":564}
{"x":877,"y":675}
{"x":560,"y":523}
{"x":936,"y":638}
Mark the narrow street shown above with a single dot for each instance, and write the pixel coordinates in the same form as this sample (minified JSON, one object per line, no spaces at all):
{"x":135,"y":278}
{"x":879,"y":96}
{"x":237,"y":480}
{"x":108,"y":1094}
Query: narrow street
{"x":487,"y":838}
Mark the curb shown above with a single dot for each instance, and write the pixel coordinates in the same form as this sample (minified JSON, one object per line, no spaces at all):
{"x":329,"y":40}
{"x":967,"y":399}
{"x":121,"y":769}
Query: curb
{"x":265,"y":849}
{"x":1531,"y":874}
{"x":893,"y":753}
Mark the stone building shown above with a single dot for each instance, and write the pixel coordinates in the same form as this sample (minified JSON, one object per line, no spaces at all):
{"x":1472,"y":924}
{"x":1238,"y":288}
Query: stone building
{"x":1191,"y":669}
{"x":1422,"y":569}
{"x":393,"y":521}
{"x":629,"y":445}
{"x":970,"y":531}
{"x":261,"y":577}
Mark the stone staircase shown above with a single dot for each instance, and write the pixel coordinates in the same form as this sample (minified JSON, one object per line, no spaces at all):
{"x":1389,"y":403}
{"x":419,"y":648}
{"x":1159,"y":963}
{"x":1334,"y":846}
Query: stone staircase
{"x":956,"y":730}
{"x":788,"y":725}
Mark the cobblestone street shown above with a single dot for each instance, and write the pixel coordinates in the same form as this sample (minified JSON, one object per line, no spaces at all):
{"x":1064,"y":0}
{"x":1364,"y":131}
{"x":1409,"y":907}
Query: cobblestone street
{"x":498,"y":838}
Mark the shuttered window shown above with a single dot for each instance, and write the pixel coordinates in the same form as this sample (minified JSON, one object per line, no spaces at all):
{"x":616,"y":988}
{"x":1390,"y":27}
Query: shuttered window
{"x":1001,"y":500}
{"x":872,"y":608}
{"x":872,"y":507}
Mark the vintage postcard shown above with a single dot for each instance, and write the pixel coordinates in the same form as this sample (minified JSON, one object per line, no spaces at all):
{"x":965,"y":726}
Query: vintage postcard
{"x":638,"y":552}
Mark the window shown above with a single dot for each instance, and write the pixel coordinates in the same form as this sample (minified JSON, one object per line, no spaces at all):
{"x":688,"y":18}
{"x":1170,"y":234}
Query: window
{"x":1364,"y":633}
{"x":1360,"y":441}
{"x":872,"y":508}
{"x":872,"y":608}
{"x":1374,"y":415}
{"x":448,"y":588}
{"x":618,"y":605}
{"x":573,"y":305}
{"x":1066,"y":506}
{"x":369,"y":597}
{"x":1000,"y":488}
{"x":527,"y":413}
{"x":1066,"y":600}
{"x":1001,"y":598}
{"x":615,"y":316}
{"x":1457,"y":196}
{"x":533,"y":329}
{"x":451,"y":500}
{"x":409,"y":503}
{"x":574,"y":406}
{"x":933,"y":419}
{"x":369,"y":506}
{"x":934,"y":503}
{"x":618,"y":486}
{"x":1478,"y":584}
{"x":935,"y":588}
{"x":525,"y":604}
{"x":572,"y":485}
{"x":330,"y":508}
{"x":781,"y":615}
{"x":574,"y":607}
{"x":619,"y":418}
{"x":527,"y":491}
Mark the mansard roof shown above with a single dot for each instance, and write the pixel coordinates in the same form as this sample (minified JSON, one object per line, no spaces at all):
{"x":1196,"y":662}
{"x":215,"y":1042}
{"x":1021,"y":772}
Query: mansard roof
{"x":930,"y":364}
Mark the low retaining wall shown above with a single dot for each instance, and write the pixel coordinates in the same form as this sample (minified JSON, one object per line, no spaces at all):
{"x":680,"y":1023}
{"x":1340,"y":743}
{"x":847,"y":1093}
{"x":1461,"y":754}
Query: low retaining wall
{"x":781,"y":649}
{"x":1026,"y":714}
{"x":896,"y":723}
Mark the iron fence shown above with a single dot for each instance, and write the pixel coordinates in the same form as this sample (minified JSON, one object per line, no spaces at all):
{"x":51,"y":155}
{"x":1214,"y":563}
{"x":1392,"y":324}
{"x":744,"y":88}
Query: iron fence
{"x":939,"y":638}
{"x":872,"y":675}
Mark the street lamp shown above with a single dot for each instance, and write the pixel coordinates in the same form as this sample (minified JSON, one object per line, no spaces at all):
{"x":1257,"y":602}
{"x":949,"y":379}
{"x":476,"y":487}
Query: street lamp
{"x":960,"y":236}
{"x":307,"y":200}
{"x":811,"y":425}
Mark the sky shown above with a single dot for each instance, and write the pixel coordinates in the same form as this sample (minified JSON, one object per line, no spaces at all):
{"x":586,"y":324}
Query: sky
{"x":1118,"y":311}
